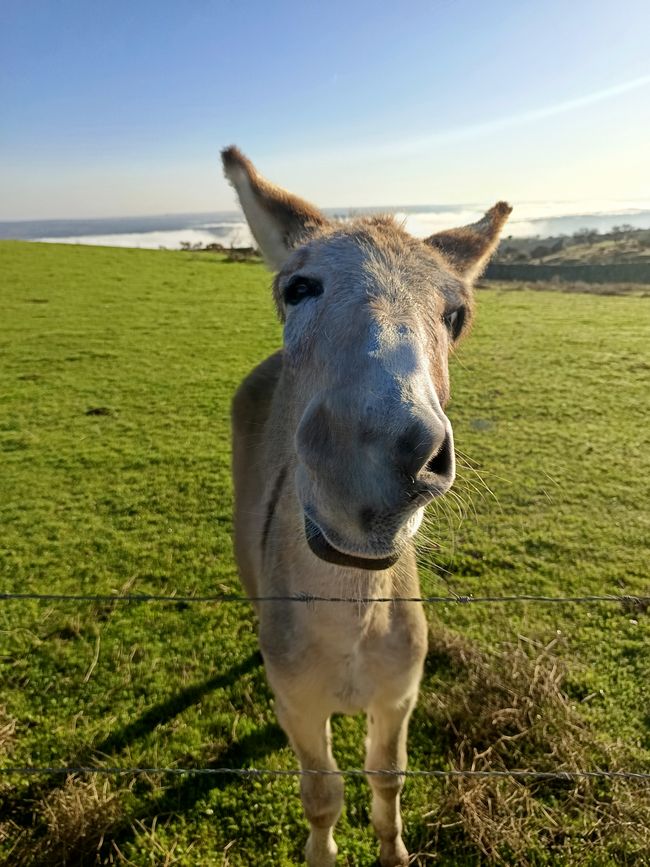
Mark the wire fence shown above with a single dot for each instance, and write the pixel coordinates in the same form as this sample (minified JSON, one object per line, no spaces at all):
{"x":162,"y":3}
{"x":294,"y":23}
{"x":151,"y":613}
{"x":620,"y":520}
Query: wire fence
{"x":627,"y":601}
{"x":103,"y":770}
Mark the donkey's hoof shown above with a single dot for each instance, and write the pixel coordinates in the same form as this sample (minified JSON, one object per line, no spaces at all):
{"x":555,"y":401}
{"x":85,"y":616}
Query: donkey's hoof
{"x":321,"y":850}
{"x":393,"y":853}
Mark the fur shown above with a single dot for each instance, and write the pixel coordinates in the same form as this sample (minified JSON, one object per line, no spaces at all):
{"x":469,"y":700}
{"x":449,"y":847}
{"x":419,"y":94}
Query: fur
{"x":345,"y":426}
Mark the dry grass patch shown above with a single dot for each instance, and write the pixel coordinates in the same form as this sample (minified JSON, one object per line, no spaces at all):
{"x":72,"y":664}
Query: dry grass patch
{"x":7,"y":737}
{"x":7,"y":731}
{"x":510,"y":710}
{"x":161,"y":851}
{"x":638,"y":290}
{"x":70,"y":826}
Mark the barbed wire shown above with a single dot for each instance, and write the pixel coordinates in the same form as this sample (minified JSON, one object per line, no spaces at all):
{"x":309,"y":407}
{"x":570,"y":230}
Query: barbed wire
{"x":641,"y":602}
{"x":567,"y":776}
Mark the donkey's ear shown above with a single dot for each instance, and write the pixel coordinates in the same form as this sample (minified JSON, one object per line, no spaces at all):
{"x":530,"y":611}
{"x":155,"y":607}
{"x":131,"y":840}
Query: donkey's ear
{"x":469,"y":248}
{"x":278,"y":220}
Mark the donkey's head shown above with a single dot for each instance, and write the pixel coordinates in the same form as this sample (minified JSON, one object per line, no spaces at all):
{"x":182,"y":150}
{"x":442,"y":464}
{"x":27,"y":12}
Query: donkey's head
{"x":370,"y":315}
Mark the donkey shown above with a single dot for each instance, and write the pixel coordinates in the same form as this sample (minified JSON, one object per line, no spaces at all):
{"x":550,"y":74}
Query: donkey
{"x":340,"y":440}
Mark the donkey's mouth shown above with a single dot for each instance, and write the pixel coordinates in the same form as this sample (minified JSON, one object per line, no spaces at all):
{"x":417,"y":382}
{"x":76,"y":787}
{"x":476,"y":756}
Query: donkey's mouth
{"x":323,"y":549}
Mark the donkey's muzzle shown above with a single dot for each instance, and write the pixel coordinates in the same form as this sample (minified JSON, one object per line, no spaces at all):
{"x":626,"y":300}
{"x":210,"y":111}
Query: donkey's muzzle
{"x":322,"y":548}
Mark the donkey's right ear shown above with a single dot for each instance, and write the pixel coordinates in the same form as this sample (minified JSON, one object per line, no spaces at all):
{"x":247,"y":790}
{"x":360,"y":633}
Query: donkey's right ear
{"x":278,"y":220}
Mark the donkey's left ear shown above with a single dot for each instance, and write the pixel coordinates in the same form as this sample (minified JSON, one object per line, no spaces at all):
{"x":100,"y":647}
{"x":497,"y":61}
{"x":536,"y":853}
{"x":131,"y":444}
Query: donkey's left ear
{"x":469,"y":248}
{"x":278,"y":220}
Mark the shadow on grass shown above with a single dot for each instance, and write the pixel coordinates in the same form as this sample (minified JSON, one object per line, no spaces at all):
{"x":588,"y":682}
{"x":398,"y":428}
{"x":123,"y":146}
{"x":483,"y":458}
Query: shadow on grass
{"x":183,"y":795}
{"x":41,"y":815}
{"x":166,"y":710}
{"x":22,"y":810}
{"x":161,"y":800}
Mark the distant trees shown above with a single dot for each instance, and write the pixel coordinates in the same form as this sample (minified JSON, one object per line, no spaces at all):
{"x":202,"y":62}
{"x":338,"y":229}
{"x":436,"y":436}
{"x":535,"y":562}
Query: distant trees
{"x":585,"y":236}
{"x":622,"y":243}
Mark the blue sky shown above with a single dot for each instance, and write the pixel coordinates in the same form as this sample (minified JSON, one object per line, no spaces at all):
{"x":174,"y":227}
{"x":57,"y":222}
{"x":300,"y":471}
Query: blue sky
{"x":120,"y":108}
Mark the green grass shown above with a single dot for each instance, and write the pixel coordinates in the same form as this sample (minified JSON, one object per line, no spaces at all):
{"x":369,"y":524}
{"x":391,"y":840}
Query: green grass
{"x":116,"y":372}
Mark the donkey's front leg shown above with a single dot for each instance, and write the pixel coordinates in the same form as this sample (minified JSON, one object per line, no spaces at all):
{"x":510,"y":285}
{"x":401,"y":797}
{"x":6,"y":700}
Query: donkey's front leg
{"x":386,"y":750}
{"x":322,"y":795}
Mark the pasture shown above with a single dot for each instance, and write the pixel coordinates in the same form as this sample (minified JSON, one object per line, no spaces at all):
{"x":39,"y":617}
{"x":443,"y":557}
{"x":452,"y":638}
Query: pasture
{"x":117,"y":371}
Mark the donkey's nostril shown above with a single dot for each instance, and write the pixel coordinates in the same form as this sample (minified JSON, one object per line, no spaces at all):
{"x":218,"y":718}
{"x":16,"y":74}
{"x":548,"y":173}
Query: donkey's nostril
{"x":415,"y":447}
{"x":441,"y":464}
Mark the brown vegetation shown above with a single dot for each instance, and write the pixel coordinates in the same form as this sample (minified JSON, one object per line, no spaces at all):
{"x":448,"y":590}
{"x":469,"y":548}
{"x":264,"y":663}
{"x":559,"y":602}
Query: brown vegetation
{"x":509,"y":710}
{"x":69,"y":827}
{"x":638,"y":290}
{"x":7,"y":730}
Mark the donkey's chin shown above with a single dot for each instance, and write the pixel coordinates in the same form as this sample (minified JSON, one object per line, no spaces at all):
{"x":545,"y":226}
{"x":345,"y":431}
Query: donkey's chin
{"x":323,"y":549}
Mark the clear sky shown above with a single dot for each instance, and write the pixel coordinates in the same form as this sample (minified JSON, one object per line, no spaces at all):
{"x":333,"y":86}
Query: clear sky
{"x":119,"y":107}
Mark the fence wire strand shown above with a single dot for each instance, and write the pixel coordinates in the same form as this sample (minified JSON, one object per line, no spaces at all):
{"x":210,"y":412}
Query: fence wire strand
{"x":567,"y":776}
{"x":641,"y":602}
{"x":629,"y":601}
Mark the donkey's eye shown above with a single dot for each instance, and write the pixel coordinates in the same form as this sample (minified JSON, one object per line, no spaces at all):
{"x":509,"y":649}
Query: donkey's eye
{"x":454,"y":321}
{"x":299,"y":288}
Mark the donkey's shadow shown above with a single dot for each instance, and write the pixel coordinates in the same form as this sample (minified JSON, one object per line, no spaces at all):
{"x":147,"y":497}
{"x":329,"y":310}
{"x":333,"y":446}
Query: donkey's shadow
{"x":165,"y":711}
{"x":186,"y":790}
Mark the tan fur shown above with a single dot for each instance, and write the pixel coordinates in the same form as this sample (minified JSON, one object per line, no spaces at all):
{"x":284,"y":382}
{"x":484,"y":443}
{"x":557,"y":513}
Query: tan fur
{"x":324,"y":427}
{"x":293,"y":216}
{"x":469,"y":248}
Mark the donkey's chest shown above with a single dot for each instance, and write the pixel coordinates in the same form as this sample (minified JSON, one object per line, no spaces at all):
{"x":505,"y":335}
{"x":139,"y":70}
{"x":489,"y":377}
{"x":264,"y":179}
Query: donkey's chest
{"x":345,"y":671}
{"x":340,"y":680}
{"x":353,"y":681}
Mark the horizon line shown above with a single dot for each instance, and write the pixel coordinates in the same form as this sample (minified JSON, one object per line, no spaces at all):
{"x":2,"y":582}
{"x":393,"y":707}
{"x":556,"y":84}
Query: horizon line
{"x":642,"y":201}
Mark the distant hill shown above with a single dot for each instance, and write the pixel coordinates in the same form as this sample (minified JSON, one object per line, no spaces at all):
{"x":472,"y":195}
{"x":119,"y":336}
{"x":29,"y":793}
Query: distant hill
{"x":623,"y":245}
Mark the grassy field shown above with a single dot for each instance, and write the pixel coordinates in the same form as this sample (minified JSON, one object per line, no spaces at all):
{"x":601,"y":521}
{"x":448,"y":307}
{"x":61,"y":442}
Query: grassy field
{"x":117,"y":369}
